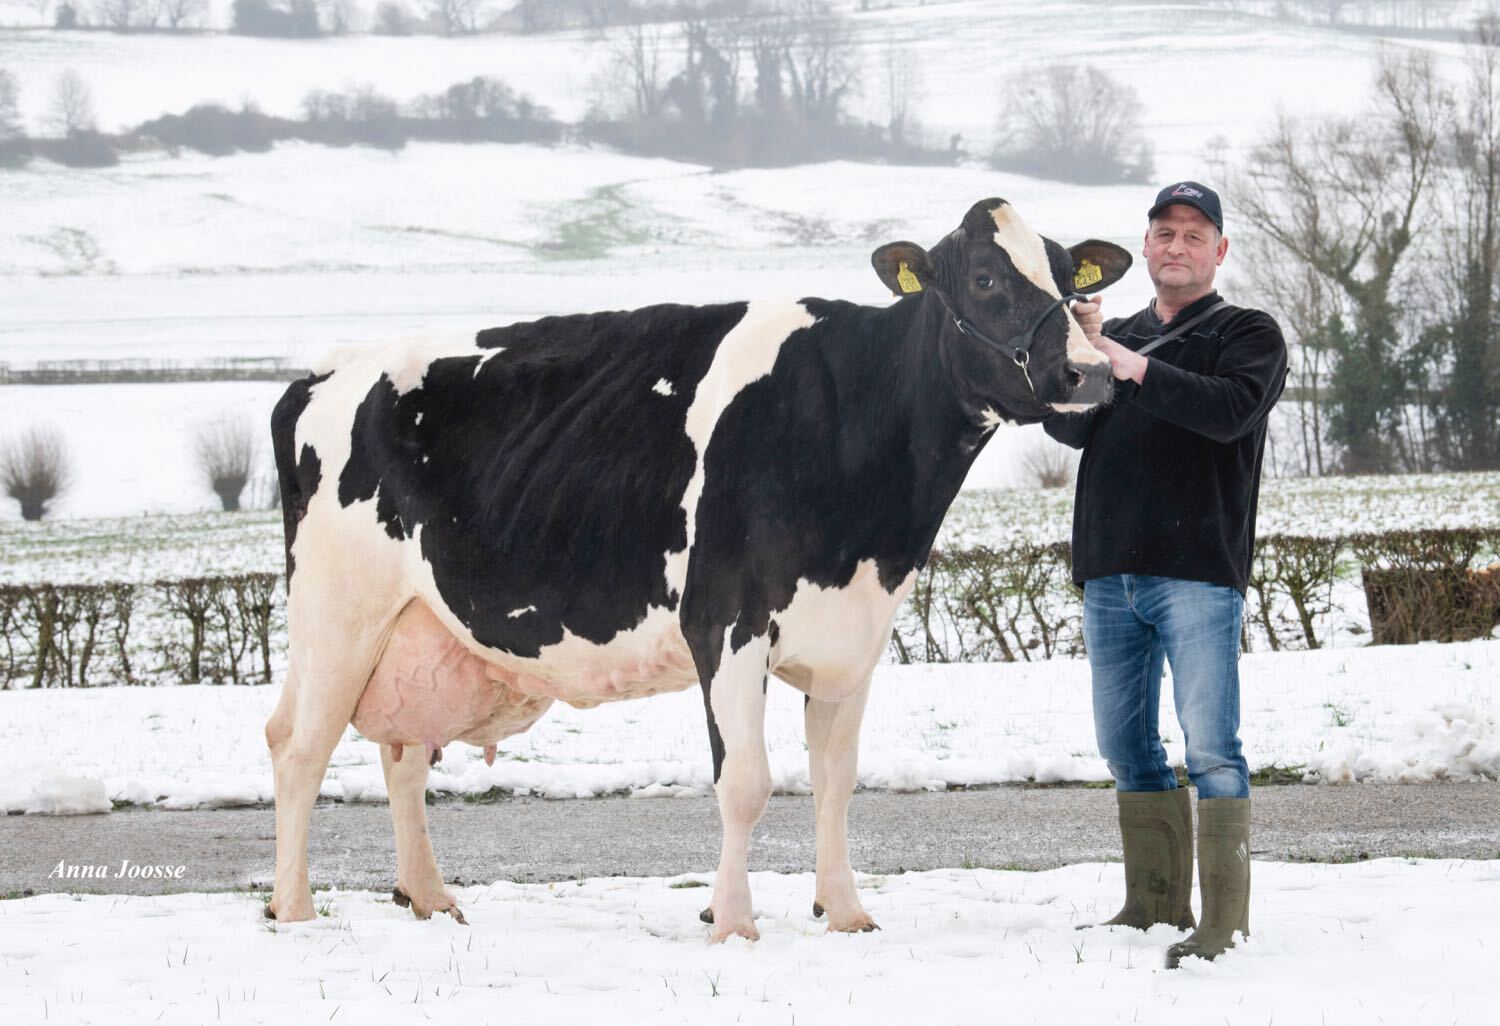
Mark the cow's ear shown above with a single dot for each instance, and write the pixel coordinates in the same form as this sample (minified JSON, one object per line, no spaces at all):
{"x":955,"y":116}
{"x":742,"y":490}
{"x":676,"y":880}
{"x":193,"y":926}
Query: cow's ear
{"x":905,"y":267}
{"x":1097,"y":265}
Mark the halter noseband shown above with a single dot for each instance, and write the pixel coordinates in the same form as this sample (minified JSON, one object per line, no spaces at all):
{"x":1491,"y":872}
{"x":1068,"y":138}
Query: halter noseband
{"x":1018,"y":348}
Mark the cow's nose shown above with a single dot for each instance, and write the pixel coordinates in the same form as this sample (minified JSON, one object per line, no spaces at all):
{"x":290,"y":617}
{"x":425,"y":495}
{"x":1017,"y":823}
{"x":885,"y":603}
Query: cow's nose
{"x":1088,"y":383}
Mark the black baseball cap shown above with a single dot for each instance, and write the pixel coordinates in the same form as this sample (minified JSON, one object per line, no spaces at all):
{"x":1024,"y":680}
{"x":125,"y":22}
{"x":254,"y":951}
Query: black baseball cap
{"x":1190,"y":194}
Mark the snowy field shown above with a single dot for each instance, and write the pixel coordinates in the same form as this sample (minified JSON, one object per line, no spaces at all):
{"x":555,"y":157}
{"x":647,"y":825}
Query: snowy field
{"x":1405,"y":942}
{"x":1335,"y":716}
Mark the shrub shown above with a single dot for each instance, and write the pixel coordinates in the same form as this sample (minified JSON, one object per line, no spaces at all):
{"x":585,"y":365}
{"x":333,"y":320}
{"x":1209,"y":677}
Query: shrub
{"x":80,"y":149}
{"x":35,"y":470}
{"x":225,"y":452}
{"x":212,"y":129}
{"x":1048,"y":464}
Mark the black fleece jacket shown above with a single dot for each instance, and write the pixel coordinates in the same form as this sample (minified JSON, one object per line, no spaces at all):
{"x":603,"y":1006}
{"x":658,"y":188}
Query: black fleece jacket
{"x":1171,"y":468}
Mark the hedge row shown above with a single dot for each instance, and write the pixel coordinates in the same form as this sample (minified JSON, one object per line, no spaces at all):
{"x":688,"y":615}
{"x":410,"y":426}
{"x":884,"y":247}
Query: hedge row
{"x":219,"y":629}
{"x":1019,"y":603}
{"x":1006,"y":604}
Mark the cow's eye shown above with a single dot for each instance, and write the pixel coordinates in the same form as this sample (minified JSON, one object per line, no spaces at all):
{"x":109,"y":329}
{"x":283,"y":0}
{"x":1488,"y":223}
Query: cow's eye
{"x":984,"y":281}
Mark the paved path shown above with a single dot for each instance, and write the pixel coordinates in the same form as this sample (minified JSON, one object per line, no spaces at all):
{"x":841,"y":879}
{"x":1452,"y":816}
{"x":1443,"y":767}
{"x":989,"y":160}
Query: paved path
{"x":535,"y":840}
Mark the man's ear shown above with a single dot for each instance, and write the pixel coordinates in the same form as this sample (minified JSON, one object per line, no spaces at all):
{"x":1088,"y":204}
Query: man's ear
{"x":1097,"y":265}
{"x":904,"y":267}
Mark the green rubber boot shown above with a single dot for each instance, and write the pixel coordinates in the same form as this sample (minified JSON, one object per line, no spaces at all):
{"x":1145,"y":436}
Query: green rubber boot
{"x":1157,"y":830}
{"x":1223,"y":875}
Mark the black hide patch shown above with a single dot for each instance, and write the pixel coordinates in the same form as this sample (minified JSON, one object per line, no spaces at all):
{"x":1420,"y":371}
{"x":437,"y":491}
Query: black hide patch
{"x":297,"y":477}
{"x":550,"y":476}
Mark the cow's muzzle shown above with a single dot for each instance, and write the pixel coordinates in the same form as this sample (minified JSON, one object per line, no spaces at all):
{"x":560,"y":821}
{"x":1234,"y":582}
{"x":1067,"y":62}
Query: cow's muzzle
{"x":1088,"y":383}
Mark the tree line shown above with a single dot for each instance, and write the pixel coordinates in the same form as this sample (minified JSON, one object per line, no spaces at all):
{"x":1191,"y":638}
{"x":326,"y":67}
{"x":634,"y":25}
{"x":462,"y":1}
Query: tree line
{"x":1376,"y":240}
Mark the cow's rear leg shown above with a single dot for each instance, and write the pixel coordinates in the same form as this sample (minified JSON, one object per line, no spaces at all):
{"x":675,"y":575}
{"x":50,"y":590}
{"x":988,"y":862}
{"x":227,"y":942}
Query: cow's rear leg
{"x":833,"y":763}
{"x":419,"y":885}
{"x":736,"y":699}
{"x":314,"y":709}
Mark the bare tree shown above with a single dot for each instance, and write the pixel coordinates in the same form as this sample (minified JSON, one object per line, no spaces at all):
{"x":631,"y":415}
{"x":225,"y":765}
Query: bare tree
{"x":1048,"y":464}
{"x":821,"y":70}
{"x":1344,"y":199}
{"x":1463,"y":336}
{"x":181,"y":12}
{"x":455,"y":17}
{"x":903,"y":89}
{"x":1074,"y":123}
{"x":35,"y":470}
{"x":636,"y":61}
{"x":126,"y":14}
{"x":391,"y":19}
{"x":72,"y":108}
{"x":10,"y":107}
{"x":226,"y":456}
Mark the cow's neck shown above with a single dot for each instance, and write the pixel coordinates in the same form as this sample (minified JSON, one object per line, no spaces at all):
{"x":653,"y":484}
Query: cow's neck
{"x":916,"y":441}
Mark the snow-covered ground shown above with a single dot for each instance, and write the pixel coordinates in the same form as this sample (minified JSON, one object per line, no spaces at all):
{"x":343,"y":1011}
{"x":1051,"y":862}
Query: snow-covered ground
{"x":1336,"y":715}
{"x":1389,"y":941}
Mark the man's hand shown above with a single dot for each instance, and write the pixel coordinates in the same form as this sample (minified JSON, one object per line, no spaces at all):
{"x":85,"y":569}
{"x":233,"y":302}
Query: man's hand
{"x":1125,"y":364}
{"x":1086,"y":312}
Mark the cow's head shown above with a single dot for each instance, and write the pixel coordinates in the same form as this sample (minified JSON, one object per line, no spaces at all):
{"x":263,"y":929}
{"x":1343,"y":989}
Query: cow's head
{"x":1012,"y":351}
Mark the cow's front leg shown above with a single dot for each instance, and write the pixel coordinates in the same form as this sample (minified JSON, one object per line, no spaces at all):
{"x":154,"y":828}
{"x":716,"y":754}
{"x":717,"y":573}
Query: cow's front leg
{"x":736,"y":698}
{"x":833,"y":762}
{"x":419,"y":885}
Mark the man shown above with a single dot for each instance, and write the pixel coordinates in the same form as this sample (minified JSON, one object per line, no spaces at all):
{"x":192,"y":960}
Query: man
{"x":1163,"y":527}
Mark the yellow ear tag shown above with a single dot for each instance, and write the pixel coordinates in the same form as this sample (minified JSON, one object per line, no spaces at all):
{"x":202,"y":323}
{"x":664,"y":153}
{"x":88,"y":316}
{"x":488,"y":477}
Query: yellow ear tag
{"x":1088,"y":274}
{"x":907,"y":280}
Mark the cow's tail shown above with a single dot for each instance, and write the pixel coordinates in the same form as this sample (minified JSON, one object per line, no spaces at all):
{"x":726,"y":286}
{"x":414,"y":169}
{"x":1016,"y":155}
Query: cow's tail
{"x":296,"y":478}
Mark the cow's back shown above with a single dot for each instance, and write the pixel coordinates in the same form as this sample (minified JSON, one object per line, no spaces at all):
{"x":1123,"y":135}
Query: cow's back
{"x":540,"y":471}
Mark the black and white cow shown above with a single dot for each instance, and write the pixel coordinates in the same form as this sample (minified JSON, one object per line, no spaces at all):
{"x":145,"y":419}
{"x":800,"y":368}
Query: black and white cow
{"x":612,"y":505}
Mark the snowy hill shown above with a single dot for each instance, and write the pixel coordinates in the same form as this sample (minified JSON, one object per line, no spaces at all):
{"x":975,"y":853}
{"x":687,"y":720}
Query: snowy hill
{"x":286,"y":253}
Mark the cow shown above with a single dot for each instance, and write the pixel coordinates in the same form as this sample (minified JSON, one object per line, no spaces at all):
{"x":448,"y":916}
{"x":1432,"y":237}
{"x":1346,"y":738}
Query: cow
{"x":605,"y":506}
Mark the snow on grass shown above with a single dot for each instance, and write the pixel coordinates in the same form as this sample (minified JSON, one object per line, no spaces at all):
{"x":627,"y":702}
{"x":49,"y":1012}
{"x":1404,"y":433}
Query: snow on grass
{"x":1337,"y":715}
{"x":113,"y":478}
{"x":1397,"y":941}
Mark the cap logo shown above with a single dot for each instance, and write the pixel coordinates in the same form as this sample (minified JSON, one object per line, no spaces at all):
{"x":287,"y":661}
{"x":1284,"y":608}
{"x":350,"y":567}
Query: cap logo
{"x":1187,"y":190}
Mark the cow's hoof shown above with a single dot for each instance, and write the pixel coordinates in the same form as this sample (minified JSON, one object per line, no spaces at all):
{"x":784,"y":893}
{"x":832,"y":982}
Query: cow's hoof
{"x":289,"y":915}
{"x":444,"y":902}
{"x":817,"y":910}
{"x":746,"y":930}
{"x":865,"y":925}
{"x":707,"y":916}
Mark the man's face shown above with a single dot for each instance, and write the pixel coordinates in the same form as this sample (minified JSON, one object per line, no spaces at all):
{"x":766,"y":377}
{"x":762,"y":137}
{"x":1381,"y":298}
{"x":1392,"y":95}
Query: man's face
{"x":1183,"y":250}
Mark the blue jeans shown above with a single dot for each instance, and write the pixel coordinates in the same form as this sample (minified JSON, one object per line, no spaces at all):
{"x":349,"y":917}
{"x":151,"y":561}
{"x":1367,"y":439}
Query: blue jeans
{"x":1133,"y":623}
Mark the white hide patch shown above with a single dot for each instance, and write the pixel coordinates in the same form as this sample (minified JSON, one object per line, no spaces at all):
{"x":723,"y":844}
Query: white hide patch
{"x":514,"y":613}
{"x":746,"y":354}
{"x":829,"y":640}
{"x":1024,"y":247}
{"x":990,"y":419}
{"x":486,"y":358}
{"x":1029,"y":253}
{"x":662,"y":387}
